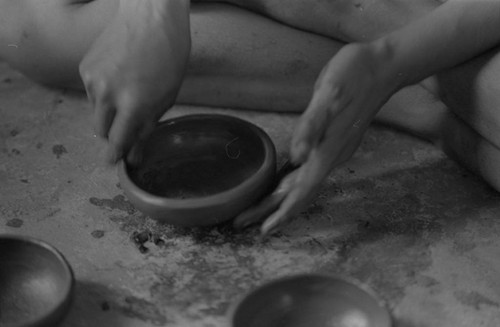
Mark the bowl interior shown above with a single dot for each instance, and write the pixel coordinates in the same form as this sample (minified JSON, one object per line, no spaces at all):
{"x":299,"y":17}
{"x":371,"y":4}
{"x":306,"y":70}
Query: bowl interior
{"x":306,"y":301}
{"x":197,"y":156}
{"x":34,"y":282}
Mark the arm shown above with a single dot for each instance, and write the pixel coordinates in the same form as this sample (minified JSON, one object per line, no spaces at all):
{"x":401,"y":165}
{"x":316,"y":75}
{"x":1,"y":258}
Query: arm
{"x":362,"y":77}
{"x":451,"y":34}
{"x":134,"y":69}
{"x":355,"y":84}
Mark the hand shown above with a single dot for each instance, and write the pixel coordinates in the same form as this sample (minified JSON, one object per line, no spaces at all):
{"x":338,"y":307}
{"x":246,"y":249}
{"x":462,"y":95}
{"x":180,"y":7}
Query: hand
{"x":348,"y":94}
{"x":133,"y":71}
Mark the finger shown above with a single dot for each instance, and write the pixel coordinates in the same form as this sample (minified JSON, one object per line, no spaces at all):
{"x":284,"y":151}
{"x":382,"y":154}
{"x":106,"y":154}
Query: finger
{"x":260,"y":211}
{"x":104,"y":115}
{"x":307,"y":180}
{"x":122,"y":135}
{"x":101,"y":99}
{"x":268,"y":205}
{"x":89,"y":90}
{"x":294,"y":202}
{"x":286,"y":169}
{"x":86,"y":78}
{"x":322,"y":159}
{"x":104,"y":110}
{"x":135,"y":155}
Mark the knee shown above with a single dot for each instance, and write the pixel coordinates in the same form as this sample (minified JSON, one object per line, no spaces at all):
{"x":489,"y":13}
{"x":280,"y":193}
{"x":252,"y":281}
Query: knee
{"x":46,"y":40}
{"x":13,"y":18}
{"x":22,"y":33}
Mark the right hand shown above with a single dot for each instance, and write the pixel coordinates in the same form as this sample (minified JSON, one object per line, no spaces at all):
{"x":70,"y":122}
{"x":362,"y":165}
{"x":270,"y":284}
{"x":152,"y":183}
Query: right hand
{"x":134,"y":70}
{"x":348,"y":93}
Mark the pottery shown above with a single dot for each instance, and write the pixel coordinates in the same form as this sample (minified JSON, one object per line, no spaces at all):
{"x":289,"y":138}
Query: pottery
{"x":36,"y":283}
{"x":310,"y":300}
{"x":200,"y":170}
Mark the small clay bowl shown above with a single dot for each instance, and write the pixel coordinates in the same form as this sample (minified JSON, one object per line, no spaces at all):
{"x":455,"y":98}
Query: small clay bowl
{"x":36,"y":283}
{"x":311,"y":300}
{"x":200,"y":170}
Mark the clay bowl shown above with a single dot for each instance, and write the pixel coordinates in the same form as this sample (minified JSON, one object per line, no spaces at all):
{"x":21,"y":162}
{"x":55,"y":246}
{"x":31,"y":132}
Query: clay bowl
{"x":36,"y":283}
{"x":200,"y":170}
{"x":310,"y":300}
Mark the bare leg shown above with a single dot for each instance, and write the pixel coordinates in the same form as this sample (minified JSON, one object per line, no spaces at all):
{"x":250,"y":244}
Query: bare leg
{"x":344,"y":20}
{"x":47,"y":39}
{"x":238,"y":59}
{"x":243,"y":60}
{"x":469,"y":132}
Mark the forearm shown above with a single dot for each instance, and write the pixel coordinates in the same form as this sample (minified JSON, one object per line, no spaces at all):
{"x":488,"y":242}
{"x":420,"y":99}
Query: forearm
{"x":453,"y":33}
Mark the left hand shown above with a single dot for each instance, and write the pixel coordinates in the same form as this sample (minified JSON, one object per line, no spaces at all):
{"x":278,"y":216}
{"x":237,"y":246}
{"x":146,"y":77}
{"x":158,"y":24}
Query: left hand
{"x":348,"y":94}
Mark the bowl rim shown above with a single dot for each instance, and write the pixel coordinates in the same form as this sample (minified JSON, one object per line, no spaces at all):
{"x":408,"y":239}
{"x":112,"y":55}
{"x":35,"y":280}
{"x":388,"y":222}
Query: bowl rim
{"x":233,"y":309}
{"x":64,"y":302}
{"x":220,"y":198}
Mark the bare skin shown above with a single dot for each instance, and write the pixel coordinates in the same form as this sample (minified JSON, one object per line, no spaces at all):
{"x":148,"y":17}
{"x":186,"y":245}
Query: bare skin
{"x":256,"y":71}
{"x":361,"y":77}
{"x":126,"y":84}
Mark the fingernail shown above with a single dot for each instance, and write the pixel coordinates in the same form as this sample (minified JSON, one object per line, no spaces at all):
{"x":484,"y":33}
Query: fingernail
{"x":268,"y":228}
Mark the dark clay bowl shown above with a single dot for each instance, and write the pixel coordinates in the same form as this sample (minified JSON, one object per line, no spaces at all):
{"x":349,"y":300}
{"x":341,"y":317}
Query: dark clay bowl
{"x":200,"y":170}
{"x":310,"y":300}
{"x":36,"y":283}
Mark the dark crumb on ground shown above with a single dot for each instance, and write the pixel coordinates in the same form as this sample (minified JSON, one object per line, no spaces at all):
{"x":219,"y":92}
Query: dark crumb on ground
{"x":143,"y":249}
{"x":105,"y":306}
{"x":59,"y":150}
{"x":15,"y":223}
{"x":97,"y":233}
{"x":140,"y":238}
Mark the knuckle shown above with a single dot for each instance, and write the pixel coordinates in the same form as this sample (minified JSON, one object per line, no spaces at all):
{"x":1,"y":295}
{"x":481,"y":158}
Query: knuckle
{"x":85,"y":72}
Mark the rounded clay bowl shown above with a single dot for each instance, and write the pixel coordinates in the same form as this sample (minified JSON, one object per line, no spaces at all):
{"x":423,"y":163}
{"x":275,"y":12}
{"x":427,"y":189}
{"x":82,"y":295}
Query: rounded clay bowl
{"x":200,"y":170}
{"x":36,"y":283}
{"x":310,"y":300}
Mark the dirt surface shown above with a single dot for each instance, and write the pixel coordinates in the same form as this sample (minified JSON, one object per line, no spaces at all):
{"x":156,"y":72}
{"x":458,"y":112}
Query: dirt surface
{"x":400,"y":217}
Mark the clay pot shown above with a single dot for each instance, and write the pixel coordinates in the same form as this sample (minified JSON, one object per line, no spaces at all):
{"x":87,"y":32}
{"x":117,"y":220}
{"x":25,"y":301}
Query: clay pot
{"x":36,"y":283}
{"x":200,"y":170}
{"x":310,"y":300}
